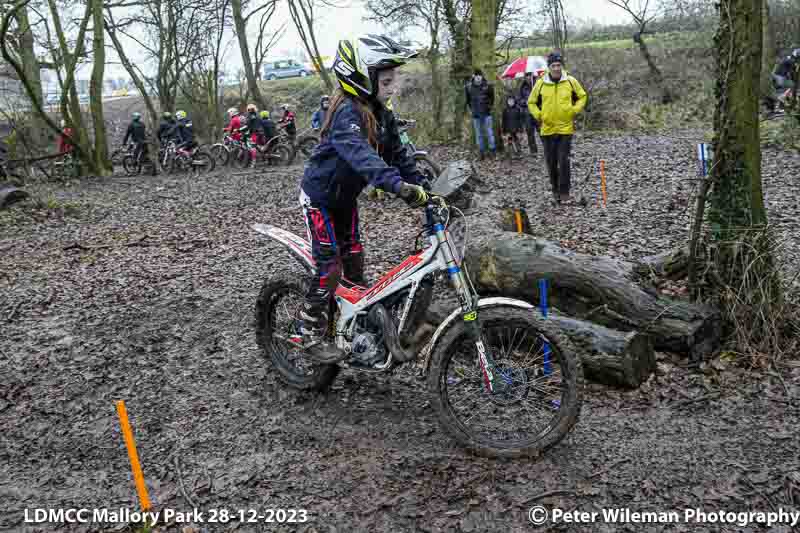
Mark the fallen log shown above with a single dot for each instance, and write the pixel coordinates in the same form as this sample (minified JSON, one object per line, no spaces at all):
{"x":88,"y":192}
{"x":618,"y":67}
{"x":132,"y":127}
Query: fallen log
{"x":672,"y":264}
{"x":615,"y":358}
{"x":600,"y":289}
{"x":622,"y":359}
{"x":10,"y":194}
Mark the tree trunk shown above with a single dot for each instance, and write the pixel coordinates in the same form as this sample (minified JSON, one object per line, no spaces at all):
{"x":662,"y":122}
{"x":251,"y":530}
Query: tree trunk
{"x":30,"y":64}
{"x":737,"y":201}
{"x":102,"y":163}
{"x":436,"y":81}
{"x":655,"y":72}
{"x":769,"y":53}
{"x":597,"y":288}
{"x":747,"y":278}
{"x":460,"y":58}
{"x":482,"y":37}
{"x":305,"y":27}
{"x":241,"y":34}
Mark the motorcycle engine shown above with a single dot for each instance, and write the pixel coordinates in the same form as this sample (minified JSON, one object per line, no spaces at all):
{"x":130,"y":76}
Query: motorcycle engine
{"x":368,"y":348}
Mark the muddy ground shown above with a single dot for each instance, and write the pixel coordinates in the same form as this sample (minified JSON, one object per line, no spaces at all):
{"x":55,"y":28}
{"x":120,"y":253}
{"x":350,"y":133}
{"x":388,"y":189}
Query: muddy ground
{"x":143,"y":290}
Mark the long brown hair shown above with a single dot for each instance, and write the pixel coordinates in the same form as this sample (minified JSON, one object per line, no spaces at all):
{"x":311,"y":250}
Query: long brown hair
{"x":367,"y":116}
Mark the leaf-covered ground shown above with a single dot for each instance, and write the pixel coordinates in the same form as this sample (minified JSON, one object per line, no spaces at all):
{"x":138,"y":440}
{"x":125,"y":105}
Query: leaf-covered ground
{"x":143,"y":290}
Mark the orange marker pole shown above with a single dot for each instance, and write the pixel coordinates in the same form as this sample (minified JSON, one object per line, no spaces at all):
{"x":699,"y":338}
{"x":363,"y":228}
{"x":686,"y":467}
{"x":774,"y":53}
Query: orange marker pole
{"x":138,"y":477}
{"x":518,"y":218}
{"x":603,"y":180}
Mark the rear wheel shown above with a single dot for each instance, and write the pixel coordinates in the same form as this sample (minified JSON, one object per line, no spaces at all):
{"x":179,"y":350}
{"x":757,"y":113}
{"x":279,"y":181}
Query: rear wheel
{"x":241,"y":157}
{"x":200,"y":163}
{"x":131,"y":165}
{"x":539,"y":373}
{"x":280,"y":155}
{"x":277,"y":311}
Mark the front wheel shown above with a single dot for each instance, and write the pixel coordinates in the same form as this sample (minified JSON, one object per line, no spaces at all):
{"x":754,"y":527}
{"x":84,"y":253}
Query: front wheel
{"x":200,"y":163}
{"x":277,"y":320}
{"x":538,"y":384}
{"x":306,"y":145}
{"x":221,"y":154}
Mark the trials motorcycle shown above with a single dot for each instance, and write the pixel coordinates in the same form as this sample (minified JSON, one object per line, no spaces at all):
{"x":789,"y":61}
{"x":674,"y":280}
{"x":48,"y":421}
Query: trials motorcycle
{"x":503,"y":380}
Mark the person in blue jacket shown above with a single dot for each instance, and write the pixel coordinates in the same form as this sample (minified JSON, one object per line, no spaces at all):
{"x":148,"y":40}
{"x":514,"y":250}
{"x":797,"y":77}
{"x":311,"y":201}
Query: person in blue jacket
{"x":319,"y":115}
{"x":359,"y":148}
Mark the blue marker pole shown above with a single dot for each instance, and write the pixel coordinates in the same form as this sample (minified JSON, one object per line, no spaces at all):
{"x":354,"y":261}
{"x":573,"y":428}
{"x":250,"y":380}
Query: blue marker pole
{"x":543,"y":309}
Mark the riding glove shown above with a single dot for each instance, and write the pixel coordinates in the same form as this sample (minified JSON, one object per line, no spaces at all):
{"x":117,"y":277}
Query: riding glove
{"x":413,"y":195}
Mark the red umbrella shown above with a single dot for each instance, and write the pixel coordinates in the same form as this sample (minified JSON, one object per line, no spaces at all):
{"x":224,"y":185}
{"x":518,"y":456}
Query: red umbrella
{"x":517,"y":69}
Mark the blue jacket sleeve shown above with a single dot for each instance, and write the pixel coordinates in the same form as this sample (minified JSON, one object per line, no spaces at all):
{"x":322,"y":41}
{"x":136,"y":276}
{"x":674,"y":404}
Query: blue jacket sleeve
{"x":315,"y":119}
{"x":350,"y":144}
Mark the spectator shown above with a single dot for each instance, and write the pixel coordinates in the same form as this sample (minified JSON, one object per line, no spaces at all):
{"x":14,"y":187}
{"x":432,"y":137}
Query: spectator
{"x":554,"y":102}
{"x":319,"y":115}
{"x":65,"y":139}
{"x":511,"y":125}
{"x":480,"y":99}
{"x":530,"y":124}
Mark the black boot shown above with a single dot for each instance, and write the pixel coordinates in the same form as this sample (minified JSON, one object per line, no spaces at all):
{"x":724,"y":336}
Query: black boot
{"x":353,"y":268}
{"x":314,"y":325}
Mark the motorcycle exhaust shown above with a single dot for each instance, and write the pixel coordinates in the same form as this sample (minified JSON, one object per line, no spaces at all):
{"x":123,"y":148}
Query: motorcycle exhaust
{"x":380,"y":316}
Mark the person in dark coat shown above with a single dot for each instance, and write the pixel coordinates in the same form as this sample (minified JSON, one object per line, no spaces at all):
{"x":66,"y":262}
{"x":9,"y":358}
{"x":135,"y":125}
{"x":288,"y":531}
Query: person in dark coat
{"x":480,"y":100}
{"x":137,"y":133}
{"x":511,"y":125}
{"x":531,"y":127}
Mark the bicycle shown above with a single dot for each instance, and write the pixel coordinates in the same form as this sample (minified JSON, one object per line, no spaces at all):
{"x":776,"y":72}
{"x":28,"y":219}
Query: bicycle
{"x":481,"y":372}
{"x":425,"y":164}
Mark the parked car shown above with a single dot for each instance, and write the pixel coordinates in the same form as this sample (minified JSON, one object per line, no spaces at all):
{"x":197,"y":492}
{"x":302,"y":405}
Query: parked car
{"x":285,"y":68}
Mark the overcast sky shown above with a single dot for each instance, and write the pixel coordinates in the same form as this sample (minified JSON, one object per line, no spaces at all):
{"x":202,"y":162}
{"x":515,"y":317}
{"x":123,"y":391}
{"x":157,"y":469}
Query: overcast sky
{"x":335,"y":23}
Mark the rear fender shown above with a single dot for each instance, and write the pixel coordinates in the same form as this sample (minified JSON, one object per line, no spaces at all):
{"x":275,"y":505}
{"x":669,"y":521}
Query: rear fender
{"x":483,"y":303}
{"x":420,"y":153}
{"x":298,"y":246}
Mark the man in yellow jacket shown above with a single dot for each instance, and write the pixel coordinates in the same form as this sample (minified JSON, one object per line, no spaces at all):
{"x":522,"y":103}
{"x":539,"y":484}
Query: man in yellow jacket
{"x":554,"y":102}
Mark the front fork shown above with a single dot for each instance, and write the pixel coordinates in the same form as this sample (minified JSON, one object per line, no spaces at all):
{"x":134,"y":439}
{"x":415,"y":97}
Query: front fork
{"x":469,"y":307}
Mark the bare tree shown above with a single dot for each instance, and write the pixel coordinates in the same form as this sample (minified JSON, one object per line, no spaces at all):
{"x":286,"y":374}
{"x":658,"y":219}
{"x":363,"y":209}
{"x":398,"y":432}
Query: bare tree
{"x":558,"y":24}
{"x":425,"y":14}
{"x":80,"y":138}
{"x":102,"y":163}
{"x":265,"y":40}
{"x":644,"y":13}
{"x":302,"y":12}
{"x":240,"y":20}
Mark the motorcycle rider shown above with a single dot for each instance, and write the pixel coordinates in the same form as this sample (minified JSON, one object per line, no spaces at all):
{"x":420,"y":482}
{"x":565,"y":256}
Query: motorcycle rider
{"x":234,"y":125}
{"x":288,"y":122}
{"x":319,"y":115}
{"x":359,"y":147}
{"x":267,"y":126}
{"x":256,"y":132}
{"x":185,"y":132}
{"x":167,"y":128}
{"x":136,"y":132}
{"x":785,"y":77}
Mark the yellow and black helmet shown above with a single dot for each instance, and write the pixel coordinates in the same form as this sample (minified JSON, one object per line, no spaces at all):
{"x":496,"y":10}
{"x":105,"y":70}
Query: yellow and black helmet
{"x":359,"y":59}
